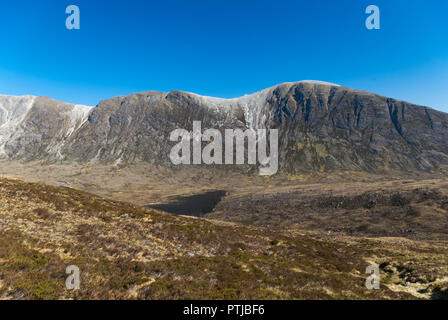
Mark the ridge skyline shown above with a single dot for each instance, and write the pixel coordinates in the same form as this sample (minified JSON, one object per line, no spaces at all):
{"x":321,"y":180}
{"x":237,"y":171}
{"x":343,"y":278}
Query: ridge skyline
{"x":226,"y":99}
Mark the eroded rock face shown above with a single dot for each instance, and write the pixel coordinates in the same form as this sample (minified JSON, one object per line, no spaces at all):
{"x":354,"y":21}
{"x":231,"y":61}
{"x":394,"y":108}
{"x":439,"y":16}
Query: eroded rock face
{"x":137,"y":127}
{"x":34,"y":128}
{"x":328,"y":127}
{"x":321,"y":127}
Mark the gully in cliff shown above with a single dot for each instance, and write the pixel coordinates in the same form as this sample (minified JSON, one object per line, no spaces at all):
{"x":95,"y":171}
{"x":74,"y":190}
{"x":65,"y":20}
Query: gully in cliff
{"x":234,"y":142}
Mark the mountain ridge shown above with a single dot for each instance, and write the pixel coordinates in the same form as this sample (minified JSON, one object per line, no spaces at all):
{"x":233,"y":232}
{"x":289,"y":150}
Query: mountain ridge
{"x":322,"y":127}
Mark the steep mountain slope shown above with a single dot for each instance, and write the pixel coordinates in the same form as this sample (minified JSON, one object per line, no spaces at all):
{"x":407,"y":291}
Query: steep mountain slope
{"x":37,"y":127}
{"x":327,"y":127}
{"x":321,"y":126}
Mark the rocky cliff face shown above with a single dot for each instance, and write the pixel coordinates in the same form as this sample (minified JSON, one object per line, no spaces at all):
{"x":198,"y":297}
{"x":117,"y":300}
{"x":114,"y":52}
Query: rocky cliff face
{"x":321,"y":127}
{"x":329,"y":127}
{"x":33,"y":128}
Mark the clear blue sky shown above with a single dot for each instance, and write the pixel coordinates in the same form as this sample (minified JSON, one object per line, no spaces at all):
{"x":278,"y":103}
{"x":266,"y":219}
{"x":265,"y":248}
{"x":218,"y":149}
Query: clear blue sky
{"x":222,"y":48}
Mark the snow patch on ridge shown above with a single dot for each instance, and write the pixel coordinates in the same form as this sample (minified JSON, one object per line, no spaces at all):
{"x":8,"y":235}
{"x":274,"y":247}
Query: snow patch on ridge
{"x":78,"y":116}
{"x":13,"y":110}
{"x":324,"y":83}
{"x":250,"y":104}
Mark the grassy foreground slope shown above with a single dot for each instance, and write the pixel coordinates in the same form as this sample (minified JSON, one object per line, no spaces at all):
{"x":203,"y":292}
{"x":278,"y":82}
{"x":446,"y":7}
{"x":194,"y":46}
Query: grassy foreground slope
{"x":126,"y":252}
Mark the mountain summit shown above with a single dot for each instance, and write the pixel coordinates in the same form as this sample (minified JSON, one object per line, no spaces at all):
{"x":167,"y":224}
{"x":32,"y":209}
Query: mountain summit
{"x":322,"y":127}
